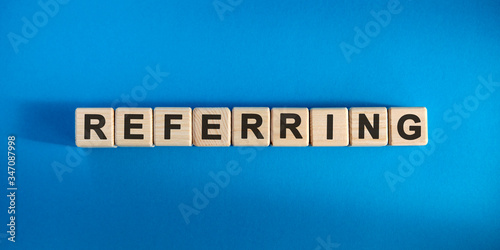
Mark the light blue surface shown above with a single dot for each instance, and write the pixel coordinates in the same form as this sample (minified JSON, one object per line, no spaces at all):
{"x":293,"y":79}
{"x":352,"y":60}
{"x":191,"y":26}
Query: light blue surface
{"x":262,"y":53}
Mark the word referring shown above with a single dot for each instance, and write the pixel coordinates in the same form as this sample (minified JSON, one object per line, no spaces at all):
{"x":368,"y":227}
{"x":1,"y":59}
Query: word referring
{"x":143,"y":127}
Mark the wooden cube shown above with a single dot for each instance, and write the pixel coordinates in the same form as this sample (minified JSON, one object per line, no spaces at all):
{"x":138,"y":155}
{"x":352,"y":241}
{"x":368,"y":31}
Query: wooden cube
{"x":290,"y":127}
{"x":329,"y":127}
{"x":134,"y":127}
{"x":408,"y":126}
{"x":94,"y":127}
{"x":212,"y":127}
{"x":251,"y":126}
{"x":368,"y":126}
{"x":172,"y":127}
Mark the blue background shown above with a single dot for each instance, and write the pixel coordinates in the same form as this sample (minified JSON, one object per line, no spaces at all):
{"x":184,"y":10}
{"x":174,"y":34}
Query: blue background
{"x":258,"y":53}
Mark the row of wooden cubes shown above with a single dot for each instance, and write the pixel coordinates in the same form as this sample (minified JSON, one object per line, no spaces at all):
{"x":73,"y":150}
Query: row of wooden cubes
{"x":141,"y":127}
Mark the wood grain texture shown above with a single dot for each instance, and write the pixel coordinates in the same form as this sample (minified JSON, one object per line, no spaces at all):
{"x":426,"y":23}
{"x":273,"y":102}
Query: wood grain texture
{"x":368,"y":140}
{"x":410,"y":127}
{"x":223,"y":131}
{"x":178,"y":136}
{"x":146,"y":129}
{"x":339,"y":127}
{"x":251,"y":140}
{"x":290,"y":139}
{"x":107,"y":129}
